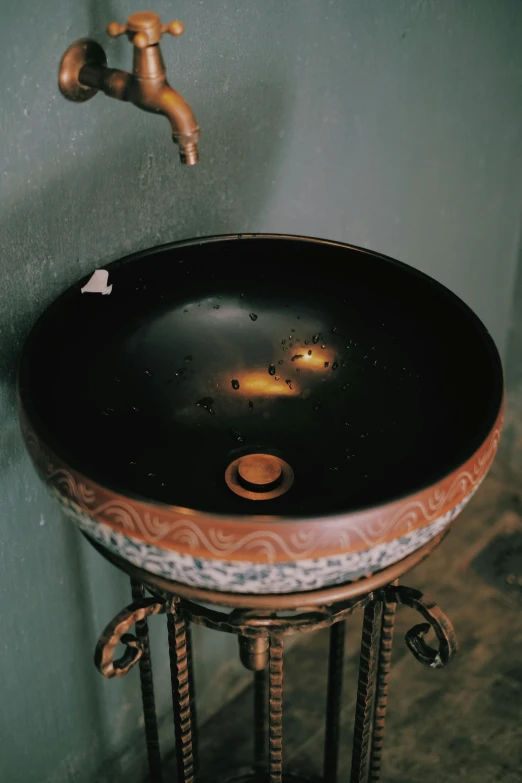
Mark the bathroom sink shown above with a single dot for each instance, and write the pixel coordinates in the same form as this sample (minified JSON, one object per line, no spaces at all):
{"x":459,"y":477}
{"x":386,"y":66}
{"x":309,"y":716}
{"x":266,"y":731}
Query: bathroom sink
{"x":261,"y":413}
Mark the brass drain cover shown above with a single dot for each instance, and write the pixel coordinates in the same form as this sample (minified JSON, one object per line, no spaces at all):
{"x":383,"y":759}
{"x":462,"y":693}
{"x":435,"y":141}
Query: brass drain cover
{"x":259,"y":476}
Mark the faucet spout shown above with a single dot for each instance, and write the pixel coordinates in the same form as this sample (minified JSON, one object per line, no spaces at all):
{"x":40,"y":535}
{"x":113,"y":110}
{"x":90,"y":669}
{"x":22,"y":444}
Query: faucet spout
{"x":185,"y":130}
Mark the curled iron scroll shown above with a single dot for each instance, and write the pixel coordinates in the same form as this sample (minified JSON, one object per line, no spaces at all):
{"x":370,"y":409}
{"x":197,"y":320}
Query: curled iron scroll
{"x":118,"y":631}
{"x":435,"y":618}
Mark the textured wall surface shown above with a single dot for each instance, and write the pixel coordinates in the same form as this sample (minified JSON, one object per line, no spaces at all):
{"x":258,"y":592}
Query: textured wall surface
{"x":391,"y":125}
{"x":509,"y":462}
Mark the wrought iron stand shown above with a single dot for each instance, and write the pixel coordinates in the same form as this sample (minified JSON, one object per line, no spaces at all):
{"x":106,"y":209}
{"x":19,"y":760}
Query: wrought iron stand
{"x":261,"y":628}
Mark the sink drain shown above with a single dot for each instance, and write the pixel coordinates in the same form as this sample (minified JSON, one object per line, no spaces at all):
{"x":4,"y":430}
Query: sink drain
{"x":259,"y":476}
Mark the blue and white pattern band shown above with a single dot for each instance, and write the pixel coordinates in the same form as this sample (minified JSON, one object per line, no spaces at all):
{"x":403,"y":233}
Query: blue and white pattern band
{"x":260,"y":578}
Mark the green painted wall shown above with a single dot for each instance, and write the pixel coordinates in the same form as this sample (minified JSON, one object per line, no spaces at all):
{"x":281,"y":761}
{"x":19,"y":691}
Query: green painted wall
{"x":392,"y":125}
{"x":509,"y":462}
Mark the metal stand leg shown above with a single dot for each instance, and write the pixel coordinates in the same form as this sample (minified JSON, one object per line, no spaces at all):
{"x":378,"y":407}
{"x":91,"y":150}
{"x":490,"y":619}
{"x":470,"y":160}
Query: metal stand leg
{"x":192,"y":689}
{"x":334,"y":701}
{"x":381,"y":696}
{"x":147,"y":692}
{"x":260,"y":720}
{"x":365,"y":692}
{"x":275,"y":729}
{"x":179,"y":671}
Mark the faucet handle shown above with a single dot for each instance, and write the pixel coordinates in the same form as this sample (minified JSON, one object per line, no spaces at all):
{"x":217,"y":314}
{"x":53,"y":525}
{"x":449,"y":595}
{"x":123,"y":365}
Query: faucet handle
{"x":144,"y":29}
{"x":115,"y":29}
{"x":173,"y":28}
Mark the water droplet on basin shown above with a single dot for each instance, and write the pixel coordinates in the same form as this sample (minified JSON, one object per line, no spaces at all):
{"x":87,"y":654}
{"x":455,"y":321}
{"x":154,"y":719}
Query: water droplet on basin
{"x":334,"y":467}
{"x":317,"y":406}
{"x":307,"y":342}
{"x":297,"y":356}
{"x":271,"y":370}
{"x":206,"y":403}
{"x":323,"y":345}
{"x":335,"y":365}
{"x":242,"y":295}
{"x":277,"y":378}
{"x":216,"y":307}
{"x":289,"y":383}
{"x":315,"y":339}
{"x":253,"y":317}
{"x":235,"y":435}
{"x":188,"y":358}
{"x":280,"y":361}
{"x":179,"y":373}
{"x":235,"y":384}
{"x":309,"y":353}
{"x":327,"y":364}
{"x":148,"y":372}
{"x":346,"y":385}
{"x":250,"y":405}
{"x":335,"y":330}
{"x":283,"y":342}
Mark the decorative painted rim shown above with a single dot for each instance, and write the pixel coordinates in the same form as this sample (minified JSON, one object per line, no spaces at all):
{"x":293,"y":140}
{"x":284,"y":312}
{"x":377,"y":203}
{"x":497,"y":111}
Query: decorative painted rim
{"x":260,"y":539}
{"x":256,"y":578}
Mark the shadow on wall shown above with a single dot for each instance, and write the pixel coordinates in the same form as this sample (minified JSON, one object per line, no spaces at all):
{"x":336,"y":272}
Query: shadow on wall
{"x":96,"y":204}
{"x":100,"y":14}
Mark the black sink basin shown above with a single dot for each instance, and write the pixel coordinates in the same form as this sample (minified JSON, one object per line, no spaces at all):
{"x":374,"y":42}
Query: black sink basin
{"x":372,"y":392}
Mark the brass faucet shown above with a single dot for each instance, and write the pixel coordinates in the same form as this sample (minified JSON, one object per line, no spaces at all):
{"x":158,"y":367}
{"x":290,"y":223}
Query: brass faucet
{"x":83,"y":71}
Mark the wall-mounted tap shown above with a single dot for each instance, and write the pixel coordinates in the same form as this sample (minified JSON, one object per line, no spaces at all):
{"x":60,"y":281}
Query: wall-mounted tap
{"x":83,"y":71}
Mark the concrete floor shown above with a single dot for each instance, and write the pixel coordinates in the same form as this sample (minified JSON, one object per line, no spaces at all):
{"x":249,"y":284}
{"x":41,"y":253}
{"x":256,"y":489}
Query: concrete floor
{"x":462,"y":722}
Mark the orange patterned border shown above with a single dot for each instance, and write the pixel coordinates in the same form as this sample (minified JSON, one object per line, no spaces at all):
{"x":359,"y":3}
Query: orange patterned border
{"x":258,"y":539}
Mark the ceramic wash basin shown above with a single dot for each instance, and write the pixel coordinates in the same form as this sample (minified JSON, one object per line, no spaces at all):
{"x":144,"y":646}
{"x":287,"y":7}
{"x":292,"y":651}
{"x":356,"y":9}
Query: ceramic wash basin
{"x":261,"y":414}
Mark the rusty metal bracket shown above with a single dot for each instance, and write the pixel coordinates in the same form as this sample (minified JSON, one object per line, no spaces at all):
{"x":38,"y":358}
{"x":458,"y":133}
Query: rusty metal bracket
{"x":118,"y":631}
{"x":435,"y":618}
